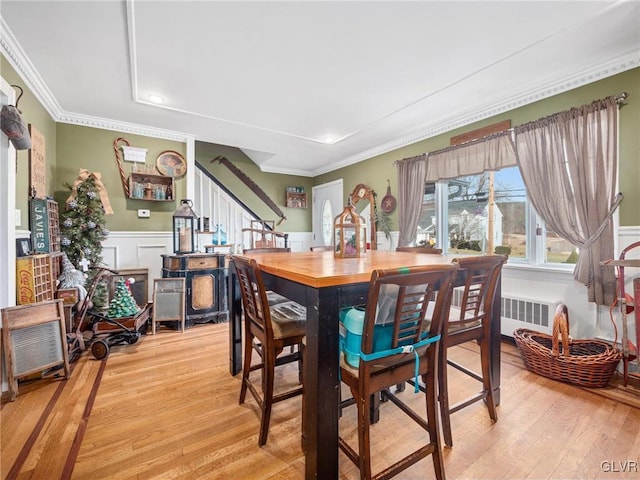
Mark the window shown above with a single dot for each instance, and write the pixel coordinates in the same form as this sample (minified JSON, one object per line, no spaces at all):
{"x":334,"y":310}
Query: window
{"x":488,"y":213}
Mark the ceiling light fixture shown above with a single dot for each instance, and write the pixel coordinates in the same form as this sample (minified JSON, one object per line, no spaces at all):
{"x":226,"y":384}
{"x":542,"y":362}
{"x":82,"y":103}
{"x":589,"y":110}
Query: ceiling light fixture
{"x":157,"y":99}
{"x":328,"y":139}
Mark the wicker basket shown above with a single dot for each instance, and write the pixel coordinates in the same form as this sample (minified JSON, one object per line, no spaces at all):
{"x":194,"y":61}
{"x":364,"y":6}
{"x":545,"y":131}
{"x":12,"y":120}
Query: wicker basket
{"x":588,"y":363}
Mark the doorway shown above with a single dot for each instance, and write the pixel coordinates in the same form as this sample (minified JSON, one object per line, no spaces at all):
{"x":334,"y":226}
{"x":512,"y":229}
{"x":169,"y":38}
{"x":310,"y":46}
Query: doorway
{"x":328,"y":202}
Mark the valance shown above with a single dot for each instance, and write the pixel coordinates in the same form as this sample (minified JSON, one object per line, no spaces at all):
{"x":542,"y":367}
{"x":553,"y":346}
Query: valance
{"x":487,"y":153}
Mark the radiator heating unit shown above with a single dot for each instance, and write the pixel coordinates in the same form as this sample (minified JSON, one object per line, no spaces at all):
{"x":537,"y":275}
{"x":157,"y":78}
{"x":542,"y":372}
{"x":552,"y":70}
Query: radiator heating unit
{"x":519,"y":312}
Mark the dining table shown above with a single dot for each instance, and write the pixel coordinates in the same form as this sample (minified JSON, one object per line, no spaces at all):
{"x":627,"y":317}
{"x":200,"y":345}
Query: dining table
{"x":325,"y":284}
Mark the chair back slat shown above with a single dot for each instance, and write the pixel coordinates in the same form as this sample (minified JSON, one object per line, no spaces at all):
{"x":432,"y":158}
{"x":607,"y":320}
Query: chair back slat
{"x":402,"y":298}
{"x":254,"y":299}
{"x":481,"y":275}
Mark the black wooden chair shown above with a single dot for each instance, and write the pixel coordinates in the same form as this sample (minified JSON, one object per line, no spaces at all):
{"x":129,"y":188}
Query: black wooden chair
{"x":470,"y":320}
{"x":402,"y":298}
{"x":268,"y":330}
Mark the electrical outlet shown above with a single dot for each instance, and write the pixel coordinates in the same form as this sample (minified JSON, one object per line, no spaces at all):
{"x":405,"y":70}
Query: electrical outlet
{"x":144,"y":213}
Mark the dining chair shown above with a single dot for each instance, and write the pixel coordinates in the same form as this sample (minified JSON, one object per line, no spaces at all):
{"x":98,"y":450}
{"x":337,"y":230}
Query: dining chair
{"x":420,"y":249}
{"x":268,"y":330}
{"x":399,"y":342}
{"x":249,"y":251}
{"x":470,"y":320}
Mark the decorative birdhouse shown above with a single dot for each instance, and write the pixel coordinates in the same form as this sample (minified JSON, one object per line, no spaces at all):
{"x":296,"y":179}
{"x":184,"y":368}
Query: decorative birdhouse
{"x":185,"y":222}
{"x":349,"y":233}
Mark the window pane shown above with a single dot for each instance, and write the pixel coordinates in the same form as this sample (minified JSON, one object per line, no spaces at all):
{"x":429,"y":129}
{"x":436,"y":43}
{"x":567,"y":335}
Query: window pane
{"x":558,"y":250}
{"x":473,"y":226}
{"x":468,"y":214}
{"x":426,"y":231}
{"x":511,"y":201}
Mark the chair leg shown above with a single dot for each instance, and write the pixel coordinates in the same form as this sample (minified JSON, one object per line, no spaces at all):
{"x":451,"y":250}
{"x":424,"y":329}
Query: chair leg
{"x":364,"y":438}
{"x":487,"y":384}
{"x":300,"y":362}
{"x":303,"y":440}
{"x":246,"y":366}
{"x":432,"y":421}
{"x":443,"y":397}
{"x":268,"y":374}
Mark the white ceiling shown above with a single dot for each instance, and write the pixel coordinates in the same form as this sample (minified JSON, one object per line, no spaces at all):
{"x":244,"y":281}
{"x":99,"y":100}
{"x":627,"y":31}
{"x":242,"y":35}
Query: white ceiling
{"x":277,"y":78}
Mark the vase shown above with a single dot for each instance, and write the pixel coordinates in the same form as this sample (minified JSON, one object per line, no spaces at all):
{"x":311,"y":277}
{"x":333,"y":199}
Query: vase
{"x":219,"y":236}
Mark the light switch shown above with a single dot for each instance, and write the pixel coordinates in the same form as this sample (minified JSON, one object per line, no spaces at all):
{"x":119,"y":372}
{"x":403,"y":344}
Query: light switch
{"x":18,"y":217}
{"x":144,"y":213}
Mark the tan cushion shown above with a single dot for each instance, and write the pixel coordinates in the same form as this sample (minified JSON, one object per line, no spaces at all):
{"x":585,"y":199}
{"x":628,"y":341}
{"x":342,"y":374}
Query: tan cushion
{"x":288,"y":319}
{"x":454,"y":321}
{"x":274,"y":298}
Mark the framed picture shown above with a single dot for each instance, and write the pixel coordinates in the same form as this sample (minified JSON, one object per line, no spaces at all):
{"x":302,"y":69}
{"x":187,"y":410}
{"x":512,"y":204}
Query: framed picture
{"x":23,"y":247}
{"x":171,"y":164}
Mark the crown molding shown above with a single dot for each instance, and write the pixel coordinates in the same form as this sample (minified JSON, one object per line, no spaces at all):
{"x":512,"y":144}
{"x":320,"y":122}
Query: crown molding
{"x":613,"y":67}
{"x":21,"y":63}
{"x":124,"y":127}
{"x":27,"y":71}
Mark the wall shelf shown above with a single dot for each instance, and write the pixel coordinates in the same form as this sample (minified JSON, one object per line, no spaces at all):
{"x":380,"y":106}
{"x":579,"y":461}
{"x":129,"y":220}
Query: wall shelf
{"x":296,"y":199}
{"x":151,"y":187}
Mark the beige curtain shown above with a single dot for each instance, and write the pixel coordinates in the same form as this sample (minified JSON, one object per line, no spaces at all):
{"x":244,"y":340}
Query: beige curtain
{"x":487,"y":153}
{"x":569,"y":166}
{"x":411,"y":179}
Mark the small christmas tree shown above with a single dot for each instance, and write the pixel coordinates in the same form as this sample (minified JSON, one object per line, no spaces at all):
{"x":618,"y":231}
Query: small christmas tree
{"x":123,"y":304}
{"x":83,"y":229}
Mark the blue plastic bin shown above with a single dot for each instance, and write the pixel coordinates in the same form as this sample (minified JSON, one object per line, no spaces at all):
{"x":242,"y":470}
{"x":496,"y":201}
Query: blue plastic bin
{"x":351,"y":325}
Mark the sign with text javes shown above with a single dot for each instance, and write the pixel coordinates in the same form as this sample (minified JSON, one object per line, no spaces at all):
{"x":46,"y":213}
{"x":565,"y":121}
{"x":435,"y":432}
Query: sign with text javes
{"x":37,"y":167}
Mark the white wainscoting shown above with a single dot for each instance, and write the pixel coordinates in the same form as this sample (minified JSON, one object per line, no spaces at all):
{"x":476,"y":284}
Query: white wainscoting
{"x":123,"y":250}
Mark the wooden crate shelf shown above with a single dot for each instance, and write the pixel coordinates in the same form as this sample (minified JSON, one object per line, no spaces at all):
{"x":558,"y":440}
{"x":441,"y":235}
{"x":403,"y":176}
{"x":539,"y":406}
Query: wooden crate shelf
{"x":34,"y":279}
{"x":295,"y":198}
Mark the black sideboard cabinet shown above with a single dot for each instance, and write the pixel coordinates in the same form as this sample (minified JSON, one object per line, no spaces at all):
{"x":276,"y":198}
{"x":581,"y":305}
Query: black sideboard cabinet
{"x":206,"y":285}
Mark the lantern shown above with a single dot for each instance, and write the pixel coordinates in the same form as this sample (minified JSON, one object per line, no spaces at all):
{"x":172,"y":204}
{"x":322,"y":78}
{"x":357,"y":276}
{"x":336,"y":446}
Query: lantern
{"x":185,"y":221}
{"x":349,"y":233}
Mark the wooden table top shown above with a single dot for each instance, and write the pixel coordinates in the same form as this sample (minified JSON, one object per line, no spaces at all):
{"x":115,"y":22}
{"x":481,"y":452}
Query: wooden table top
{"x":322,"y":269}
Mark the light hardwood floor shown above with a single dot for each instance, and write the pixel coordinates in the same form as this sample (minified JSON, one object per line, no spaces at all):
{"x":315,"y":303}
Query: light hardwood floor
{"x":167,"y":408}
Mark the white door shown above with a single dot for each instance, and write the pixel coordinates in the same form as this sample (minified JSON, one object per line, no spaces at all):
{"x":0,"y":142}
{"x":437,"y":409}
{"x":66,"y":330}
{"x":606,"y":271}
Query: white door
{"x":328,"y":202}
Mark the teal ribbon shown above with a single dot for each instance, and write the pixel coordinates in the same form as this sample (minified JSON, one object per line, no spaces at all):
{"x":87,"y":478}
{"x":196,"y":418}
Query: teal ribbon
{"x":367,"y":357}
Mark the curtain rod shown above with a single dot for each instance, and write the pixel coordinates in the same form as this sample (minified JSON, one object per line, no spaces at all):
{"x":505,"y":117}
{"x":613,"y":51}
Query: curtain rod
{"x":619,"y":98}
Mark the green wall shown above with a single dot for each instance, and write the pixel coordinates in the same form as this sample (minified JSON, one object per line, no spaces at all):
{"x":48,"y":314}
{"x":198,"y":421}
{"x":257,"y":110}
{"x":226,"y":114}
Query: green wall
{"x":92,"y":148}
{"x":33,"y":113}
{"x":273,"y":184}
{"x":375,"y":171}
{"x":71,"y":147}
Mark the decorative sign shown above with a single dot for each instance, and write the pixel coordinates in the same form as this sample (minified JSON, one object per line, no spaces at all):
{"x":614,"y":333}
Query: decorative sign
{"x":37,"y":167}
{"x":39,"y":224}
{"x":481,"y":132}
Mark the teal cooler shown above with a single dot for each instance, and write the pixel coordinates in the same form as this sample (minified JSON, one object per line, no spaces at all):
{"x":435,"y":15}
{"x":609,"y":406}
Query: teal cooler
{"x":351,"y":325}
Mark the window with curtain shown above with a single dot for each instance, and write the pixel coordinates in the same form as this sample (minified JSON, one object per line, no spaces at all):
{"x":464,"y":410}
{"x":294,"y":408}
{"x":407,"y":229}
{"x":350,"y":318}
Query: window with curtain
{"x":464,"y":208}
{"x":568,"y":163}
